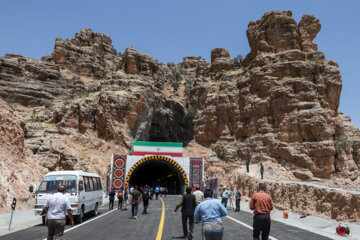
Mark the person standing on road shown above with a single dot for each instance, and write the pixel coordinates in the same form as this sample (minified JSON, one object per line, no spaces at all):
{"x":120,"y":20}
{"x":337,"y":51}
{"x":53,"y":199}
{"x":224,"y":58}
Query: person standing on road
{"x":111,"y":199}
{"x":187,"y":202}
{"x":120,"y":197}
{"x":157,"y":192}
{"x":237,"y":200}
{"x":145,"y":197}
{"x":56,"y":207}
{"x":199,"y":195}
{"x":248,"y":166}
{"x":262,"y":204}
{"x":262,"y":170}
{"x":210,"y":212}
{"x":135,"y":197}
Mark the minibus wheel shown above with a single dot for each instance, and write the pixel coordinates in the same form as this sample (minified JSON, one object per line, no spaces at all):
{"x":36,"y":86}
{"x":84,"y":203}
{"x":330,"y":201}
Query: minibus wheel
{"x":95,"y":212}
{"x":81,"y":215}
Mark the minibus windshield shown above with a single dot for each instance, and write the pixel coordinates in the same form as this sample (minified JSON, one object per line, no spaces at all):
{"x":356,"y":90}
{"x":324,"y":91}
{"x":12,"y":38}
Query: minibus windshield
{"x":50,"y":184}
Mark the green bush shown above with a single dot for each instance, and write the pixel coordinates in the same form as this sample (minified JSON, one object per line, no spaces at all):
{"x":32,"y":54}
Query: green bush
{"x":238,"y":59}
{"x":86,"y":92}
{"x":9,"y":101}
{"x":98,"y":73}
{"x":341,"y":143}
{"x":314,"y":64}
{"x":120,"y":64}
{"x":188,"y":85}
{"x":177,"y":76}
{"x":49,"y":104}
{"x":63,"y":107}
{"x":107,"y":40}
{"x":33,"y":118}
{"x":82,"y":43}
{"x":182,"y":71}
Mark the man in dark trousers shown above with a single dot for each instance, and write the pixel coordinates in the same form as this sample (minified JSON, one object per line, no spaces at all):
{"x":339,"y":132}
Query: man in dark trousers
{"x":262,"y":170}
{"x":120,"y":197}
{"x":188,"y":203}
{"x":56,"y":207}
{"x":111,"y":199}
{"x":248,"y":166}
{"x":237,"y":200}
{"x":262,"y":204}
{"x":145,"y":197}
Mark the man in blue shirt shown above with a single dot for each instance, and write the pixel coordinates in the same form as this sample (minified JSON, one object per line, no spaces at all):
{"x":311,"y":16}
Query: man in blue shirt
{"x":210,"y":212}
{"x":157,"y":192}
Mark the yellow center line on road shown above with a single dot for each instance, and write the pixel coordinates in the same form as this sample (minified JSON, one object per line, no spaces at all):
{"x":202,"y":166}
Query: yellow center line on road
{"x":162,"y":220}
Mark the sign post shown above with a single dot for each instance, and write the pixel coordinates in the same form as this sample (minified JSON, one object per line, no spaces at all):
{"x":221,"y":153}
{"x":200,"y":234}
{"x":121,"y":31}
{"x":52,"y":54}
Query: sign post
{"x":13,"y":205}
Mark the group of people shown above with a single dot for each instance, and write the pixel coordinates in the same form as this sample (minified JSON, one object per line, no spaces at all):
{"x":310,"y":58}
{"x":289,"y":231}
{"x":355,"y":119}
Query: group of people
{"x":201,"y":207}
{"x":134,"y":197}
{"x":195,"y":207}
{"x":261,"y":168}
{"x":227,"y":196}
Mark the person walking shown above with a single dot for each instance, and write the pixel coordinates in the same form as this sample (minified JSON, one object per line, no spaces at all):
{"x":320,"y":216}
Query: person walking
{"x":199,"y":195}
{"x":111,"y":199}
{"x":187,"y":202}
{"x":157,"y":192}
{"x":209,"y":213}
{"x":248,"y":166}
{"x":120,"y":197}
{"x":56,"y":207}
{"x":262,"y":170}
{"x":224,"y":197}
{"x":262,"y":204}
{"x":237,"y":200}
{"x":135,"y":197}
{"x":126,"y":198}
{"x":145,"y":197}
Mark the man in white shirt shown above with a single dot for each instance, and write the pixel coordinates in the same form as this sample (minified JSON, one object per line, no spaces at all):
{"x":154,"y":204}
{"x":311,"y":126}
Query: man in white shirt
{"x":199,"y":195}
{"x":57,"y":206}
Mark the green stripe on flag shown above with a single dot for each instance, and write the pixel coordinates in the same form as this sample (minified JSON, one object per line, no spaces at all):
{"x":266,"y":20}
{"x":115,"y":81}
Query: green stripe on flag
{"x":158,"y":144}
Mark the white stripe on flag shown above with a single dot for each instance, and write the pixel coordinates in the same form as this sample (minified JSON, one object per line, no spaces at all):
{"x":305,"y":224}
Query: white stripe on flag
{"x":158,"y":149}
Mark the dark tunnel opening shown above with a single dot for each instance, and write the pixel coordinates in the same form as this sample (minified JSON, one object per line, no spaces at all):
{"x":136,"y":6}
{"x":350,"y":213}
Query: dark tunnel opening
{"x":158,"y":173}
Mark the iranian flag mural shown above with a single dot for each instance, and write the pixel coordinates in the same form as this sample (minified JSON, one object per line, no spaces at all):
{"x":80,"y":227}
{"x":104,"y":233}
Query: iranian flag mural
{"x":158,"y":148}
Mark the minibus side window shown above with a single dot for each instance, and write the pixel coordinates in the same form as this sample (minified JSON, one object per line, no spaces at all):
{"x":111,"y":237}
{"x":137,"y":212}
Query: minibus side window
{"x":95,"y":184}
{"x":91,"y":184}
{"x":87,"y":187}
{"x":99,"y":183}
{"x":81,"y":185}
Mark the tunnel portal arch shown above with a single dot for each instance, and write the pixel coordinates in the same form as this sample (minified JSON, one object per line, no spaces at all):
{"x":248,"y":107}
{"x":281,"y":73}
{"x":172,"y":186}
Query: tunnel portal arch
{"x":160,"y":162}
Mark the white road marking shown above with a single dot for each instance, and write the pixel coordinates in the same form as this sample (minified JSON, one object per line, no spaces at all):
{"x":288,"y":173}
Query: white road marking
{"x":245,"y":225}
{"x":93,"y":219}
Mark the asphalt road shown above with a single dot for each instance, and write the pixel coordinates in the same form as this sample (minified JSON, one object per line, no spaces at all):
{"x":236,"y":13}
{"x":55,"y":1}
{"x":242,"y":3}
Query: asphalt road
{"x":118,"y":224}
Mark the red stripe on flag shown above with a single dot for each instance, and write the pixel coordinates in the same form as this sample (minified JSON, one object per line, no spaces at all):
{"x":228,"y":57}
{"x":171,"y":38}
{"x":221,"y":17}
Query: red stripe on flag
{"x":157,"y":153}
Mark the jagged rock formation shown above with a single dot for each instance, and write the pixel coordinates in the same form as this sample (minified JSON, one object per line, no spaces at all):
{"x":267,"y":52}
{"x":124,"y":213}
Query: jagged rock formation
{"x":280,"y":104}
{"x":29,"y":81}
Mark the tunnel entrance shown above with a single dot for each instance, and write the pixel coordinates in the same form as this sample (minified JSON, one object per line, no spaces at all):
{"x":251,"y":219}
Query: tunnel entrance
{"x":159,"y":171}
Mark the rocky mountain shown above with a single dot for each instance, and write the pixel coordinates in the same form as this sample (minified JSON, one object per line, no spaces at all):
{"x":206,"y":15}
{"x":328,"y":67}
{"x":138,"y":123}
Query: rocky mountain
{"x":279,"y":105}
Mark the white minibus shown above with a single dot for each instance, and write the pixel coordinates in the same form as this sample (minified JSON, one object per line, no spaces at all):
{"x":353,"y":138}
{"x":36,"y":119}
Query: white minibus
{"x":83,"y":189}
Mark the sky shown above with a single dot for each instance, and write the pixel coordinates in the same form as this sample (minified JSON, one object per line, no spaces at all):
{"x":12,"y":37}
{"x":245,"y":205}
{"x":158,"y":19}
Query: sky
{"x":169,"y":30}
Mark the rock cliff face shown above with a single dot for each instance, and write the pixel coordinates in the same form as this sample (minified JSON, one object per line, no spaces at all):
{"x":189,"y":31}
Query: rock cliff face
{"x":18,"y":167}
{"x":278,"y":105}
